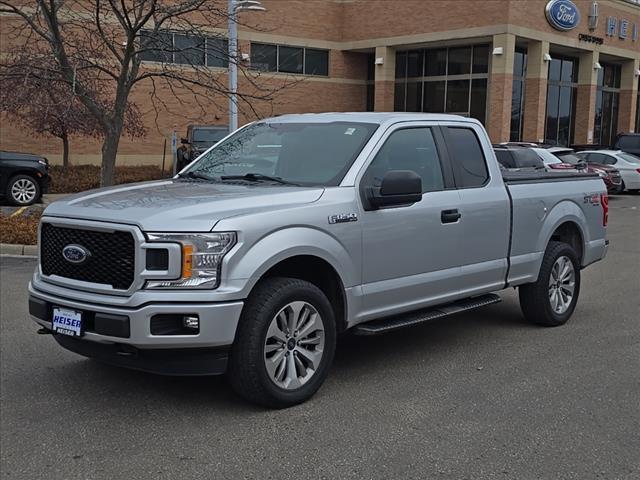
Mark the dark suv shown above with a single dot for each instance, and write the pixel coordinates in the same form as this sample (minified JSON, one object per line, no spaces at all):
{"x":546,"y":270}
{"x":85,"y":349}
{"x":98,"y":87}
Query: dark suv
{"x":23,"y":177}
{"x":199,"y":138}
{"x":517,"y":157}
{"x":628,"y":142}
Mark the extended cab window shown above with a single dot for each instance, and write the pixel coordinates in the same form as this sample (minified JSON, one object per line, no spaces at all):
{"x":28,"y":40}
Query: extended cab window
{"x":468,"y":160}
{"x":408,"y":149}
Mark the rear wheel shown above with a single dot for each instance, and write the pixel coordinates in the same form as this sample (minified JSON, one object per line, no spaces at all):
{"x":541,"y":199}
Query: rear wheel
{"x":23,"y":190}
{"x":285,"y":343}
{"x":550,"y":301}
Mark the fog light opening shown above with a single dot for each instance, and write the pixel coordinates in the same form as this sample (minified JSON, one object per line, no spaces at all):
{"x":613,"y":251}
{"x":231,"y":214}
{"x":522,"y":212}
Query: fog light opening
{"x":191,"y":321}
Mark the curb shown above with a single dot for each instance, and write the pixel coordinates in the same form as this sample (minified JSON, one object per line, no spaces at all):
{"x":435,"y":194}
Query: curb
{"x":13,"y":250}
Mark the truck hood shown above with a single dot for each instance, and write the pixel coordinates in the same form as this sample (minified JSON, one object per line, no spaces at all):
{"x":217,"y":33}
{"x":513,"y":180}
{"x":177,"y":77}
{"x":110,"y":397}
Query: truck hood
{"x":178,"y":205}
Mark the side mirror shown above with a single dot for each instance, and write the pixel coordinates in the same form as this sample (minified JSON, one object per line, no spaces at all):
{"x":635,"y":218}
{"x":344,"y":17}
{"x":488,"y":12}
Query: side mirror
{"x":399,"y":187}
{"x":184,"y":141}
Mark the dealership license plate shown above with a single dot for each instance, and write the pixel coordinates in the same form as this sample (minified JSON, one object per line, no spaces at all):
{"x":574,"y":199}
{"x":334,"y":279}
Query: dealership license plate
{"x":67,"y":322}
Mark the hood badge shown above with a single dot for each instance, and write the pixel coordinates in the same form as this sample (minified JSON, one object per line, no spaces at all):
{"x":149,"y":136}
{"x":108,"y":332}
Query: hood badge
{"x":343,"y":218}
{"x":76,"y":254}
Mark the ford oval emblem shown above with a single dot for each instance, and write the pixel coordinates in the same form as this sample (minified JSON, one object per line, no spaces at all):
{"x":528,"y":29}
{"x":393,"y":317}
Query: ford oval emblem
{"x":562,"y":14}
{"x":75,"y":254}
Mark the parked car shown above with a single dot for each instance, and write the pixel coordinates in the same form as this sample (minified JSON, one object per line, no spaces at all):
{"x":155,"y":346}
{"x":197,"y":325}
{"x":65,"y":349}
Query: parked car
{"x":627,"y":142}
{"x":609,"y":174}
{"x":199,"y":138}
{"x":627,"y":164}
{"x":253,"y":262}
{"x":24,"y":177}
{"x":517,"y":157}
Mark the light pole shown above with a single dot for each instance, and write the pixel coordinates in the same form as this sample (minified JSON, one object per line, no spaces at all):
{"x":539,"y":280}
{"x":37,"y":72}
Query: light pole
{"x":235,"y":6}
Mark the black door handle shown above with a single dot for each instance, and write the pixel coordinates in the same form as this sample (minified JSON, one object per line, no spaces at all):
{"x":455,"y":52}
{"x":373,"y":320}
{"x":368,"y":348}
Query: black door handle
{"x":450,"y":216}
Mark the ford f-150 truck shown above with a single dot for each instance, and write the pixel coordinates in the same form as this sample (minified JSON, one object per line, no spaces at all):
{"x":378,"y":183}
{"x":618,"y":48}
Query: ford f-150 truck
{"x":294,"y":229}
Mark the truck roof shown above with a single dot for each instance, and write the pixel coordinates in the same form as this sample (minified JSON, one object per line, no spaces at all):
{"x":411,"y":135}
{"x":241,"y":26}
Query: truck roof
{"x":369,"y":117}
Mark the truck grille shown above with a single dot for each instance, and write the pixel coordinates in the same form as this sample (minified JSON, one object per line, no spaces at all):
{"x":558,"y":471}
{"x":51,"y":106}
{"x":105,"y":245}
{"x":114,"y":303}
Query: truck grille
{"x":111,"y":260}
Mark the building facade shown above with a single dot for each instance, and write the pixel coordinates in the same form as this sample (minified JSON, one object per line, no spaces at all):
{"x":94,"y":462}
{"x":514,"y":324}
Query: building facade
{"x":562,"y":71}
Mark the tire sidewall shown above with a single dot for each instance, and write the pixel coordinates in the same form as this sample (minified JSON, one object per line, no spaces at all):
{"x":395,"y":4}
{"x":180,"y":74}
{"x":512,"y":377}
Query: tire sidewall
{"x":13,"y":180}
{"x":564,"y":251}
{"x":314,"y":296}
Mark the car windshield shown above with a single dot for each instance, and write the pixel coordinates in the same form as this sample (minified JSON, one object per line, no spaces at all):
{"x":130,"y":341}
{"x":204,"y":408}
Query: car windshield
{"x":205,"y":135}
{"x":547,"y":157}
{"x":298,"y":153}
{"x":629,"y":158}
{"x":569,"y":157}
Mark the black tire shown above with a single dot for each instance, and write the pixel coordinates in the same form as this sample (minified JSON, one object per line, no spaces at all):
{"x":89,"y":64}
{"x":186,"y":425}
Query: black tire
{"x":534,"y":297}
{"x":34,"y":187}
{"x":247,"y":371}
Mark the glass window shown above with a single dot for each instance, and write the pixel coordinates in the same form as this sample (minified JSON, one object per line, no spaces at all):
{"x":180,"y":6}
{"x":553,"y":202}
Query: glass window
{"x":553,"y":94}
{"x":408,"y":149}
{"x":459,"y":61}
{"x":316,"y":62}
{"x":567,"y":71}
{"x":399,"y":104}
{"x":189,"y":49}
{"x":436,"y":62}
{"x":519,"y":64}
{"x":302,"y":153}
{"x":264,"y":57}
{"x":156,"y":47}
{"x":478,"y":108}
{"x":516,"y":111}
{"x":414,"y":63}
{"x":290,"y":59}
{"x":401,"y":65}
{"x":527,"y":158}
{"x":414,"y":97}
{"x":468,"y":159}
{"x":458,"y":96}
{"x":505,"y":158}
{"x":480,"y":58}
{"x":433,"y":97}
{"x":217,"y":52}
{"x":554,"y":69}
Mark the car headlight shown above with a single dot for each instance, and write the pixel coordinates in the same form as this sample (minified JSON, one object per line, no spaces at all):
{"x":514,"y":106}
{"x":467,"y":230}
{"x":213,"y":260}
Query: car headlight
{"x":202,"y":255}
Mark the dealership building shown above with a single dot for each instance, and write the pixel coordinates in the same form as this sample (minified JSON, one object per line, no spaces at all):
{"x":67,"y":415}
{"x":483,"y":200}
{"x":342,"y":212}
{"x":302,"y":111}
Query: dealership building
{"x":561,"y":71}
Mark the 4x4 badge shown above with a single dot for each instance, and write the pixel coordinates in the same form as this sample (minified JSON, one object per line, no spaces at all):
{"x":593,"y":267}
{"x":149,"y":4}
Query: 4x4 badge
{"x":343,"y":218}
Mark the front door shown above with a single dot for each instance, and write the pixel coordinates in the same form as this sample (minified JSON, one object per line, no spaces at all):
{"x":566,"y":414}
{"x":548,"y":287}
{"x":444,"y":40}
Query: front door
{"x":409,"y":252}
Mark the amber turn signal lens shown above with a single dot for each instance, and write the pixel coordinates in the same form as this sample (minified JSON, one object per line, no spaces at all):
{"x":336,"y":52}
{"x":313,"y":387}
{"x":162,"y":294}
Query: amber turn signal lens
{"x":187,"y":260}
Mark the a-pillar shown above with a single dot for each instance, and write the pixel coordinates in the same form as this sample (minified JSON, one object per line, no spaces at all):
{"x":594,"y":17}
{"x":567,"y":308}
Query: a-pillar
{"x":385,"y":77}
{"x":586,"y":97}
{"x":501,"y":87}
{"x":535,"y":92}
{"x":628,"y":96}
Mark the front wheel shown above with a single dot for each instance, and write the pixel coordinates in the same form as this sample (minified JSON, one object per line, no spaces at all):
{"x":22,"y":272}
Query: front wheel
{"x":285,"y":343}
{"x":550,"y":301}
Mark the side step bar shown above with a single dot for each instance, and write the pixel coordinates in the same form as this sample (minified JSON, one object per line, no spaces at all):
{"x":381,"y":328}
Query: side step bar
{"x":389,"y":324}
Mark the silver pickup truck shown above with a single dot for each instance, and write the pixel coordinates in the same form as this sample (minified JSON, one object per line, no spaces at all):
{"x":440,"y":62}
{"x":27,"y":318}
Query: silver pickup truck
{"x":295,"y":229}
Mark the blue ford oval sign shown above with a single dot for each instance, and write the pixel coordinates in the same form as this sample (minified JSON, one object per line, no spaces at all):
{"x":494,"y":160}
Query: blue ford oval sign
{"x":562,"y":14}
{"x":75,"y":254}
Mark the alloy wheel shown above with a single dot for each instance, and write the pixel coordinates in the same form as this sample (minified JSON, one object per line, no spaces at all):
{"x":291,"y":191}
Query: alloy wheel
{"x":23,"y":191}
{"x":562,"y":282}
{"x":294,"y":345}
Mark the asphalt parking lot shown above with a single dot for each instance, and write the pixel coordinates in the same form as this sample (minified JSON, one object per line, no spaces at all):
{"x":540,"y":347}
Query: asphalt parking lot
{"x":479,"y":395}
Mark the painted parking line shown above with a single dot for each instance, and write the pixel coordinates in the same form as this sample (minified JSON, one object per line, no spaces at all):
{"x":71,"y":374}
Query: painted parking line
{"x":18,"y":212}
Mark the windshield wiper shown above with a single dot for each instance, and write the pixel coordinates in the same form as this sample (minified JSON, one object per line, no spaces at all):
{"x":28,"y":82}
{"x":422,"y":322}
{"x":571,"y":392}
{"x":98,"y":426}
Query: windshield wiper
{"x":200,"y":176}
{"x":257,"y":177}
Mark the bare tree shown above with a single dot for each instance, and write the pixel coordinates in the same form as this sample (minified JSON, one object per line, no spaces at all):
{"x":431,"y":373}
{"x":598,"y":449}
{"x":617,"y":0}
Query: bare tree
{"x":99,"y":47}
{"x":32,"y":94}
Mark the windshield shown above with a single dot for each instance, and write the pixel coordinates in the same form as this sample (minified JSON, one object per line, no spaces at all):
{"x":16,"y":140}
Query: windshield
{"x":204,"y":135}
{"x":299,"y":153}
{"x":569,"y":157}
{"x":547,"y":157}
{"x":629,"y":158}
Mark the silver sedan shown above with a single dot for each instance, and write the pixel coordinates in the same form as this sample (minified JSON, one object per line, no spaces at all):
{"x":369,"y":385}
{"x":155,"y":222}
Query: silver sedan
{"x":626,"y":163}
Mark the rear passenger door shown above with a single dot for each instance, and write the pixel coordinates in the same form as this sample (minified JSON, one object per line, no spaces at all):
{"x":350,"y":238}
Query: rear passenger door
{"x":482,"y":247}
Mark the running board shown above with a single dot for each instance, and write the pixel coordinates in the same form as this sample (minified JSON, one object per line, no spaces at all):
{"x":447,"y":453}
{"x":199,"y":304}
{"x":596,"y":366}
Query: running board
{"x":389,"y":324}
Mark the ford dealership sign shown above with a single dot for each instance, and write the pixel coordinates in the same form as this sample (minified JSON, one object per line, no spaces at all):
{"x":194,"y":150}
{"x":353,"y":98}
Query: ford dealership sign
{"x":562,"y":14}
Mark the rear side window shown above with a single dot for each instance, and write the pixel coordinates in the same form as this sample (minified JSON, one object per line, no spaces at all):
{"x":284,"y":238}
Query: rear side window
{"x":526,"y":158}
{"x":467,"y":157}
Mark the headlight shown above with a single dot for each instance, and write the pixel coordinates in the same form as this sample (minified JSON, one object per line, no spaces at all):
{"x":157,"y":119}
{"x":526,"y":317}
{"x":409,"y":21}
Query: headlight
{"x":202,"y":255}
